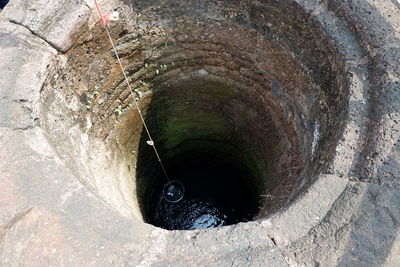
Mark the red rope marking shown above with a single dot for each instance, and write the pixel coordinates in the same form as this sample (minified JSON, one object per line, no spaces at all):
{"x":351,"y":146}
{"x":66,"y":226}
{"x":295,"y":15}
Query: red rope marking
{"x":105,"y":20}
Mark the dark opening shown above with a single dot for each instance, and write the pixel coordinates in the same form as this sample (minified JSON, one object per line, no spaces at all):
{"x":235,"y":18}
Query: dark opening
{"x":3,"y":3}
{"x":217,"y":193}
{"x":202,"y":147}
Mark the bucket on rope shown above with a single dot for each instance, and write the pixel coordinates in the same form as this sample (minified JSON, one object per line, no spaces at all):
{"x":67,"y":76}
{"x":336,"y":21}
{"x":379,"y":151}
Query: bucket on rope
{"x":173,"y":191}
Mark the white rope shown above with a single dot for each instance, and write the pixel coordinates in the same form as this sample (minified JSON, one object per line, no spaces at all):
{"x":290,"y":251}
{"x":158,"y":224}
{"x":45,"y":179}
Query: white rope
{"x":151,"y":142}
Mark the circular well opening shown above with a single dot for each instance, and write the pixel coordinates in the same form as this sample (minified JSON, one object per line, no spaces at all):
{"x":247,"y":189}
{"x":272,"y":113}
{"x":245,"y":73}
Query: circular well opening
{"x":244,"y":111}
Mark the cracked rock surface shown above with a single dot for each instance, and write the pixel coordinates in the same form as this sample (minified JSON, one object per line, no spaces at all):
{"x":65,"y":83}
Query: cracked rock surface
{"x":345,"y":210}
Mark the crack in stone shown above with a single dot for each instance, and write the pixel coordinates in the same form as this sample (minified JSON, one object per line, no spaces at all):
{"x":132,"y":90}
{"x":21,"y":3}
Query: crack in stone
{"x":280,"y":251}
{"x":24,"y":128}
{"x":37,"y":35}
{"x":9,"y":225}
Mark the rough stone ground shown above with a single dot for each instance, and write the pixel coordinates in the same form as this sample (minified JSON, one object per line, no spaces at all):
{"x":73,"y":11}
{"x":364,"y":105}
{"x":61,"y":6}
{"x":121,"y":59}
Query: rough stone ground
{"x":349,"y":217}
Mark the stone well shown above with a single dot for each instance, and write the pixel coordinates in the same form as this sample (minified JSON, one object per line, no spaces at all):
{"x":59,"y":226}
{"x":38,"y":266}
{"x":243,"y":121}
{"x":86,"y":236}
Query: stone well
{"x":294,"y":104}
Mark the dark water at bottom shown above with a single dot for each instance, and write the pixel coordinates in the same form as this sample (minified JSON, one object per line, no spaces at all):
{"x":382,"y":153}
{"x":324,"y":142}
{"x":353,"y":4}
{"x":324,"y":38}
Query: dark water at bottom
{"x":189,"y":215}
{"x":214,"y":196}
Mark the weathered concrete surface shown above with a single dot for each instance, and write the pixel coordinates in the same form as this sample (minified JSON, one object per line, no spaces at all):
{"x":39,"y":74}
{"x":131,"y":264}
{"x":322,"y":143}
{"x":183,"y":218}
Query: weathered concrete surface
{"x":349,"y":217}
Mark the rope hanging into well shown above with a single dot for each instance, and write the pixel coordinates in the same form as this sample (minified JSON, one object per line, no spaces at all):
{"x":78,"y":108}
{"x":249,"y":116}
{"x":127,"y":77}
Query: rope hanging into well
{"x":105,"y":21}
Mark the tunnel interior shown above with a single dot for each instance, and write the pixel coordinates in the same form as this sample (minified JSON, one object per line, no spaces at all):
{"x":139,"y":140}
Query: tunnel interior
{"x":245,"y":105}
